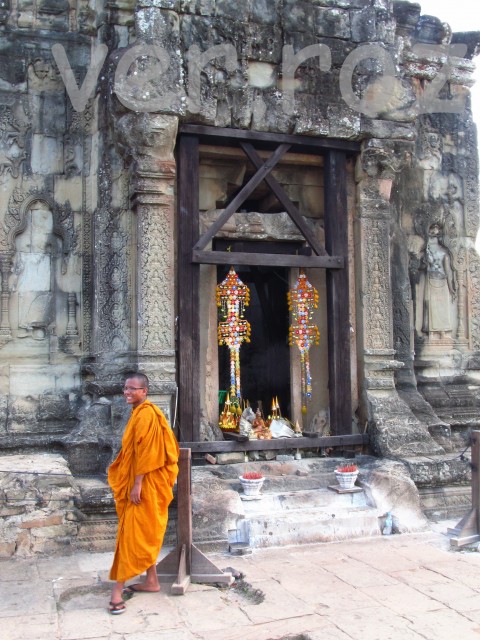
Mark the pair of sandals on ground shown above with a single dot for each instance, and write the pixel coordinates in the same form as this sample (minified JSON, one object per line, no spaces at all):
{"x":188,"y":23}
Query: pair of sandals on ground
{"x":116,"y":608}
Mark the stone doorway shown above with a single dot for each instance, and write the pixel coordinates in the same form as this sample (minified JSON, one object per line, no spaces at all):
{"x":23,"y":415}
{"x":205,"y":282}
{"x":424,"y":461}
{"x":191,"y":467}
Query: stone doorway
{"x":222,"y":195}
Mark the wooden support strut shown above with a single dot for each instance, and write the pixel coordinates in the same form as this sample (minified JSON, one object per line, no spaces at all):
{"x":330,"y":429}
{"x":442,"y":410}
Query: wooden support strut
{"x":186,"y":563}
{"x":467,"y":530}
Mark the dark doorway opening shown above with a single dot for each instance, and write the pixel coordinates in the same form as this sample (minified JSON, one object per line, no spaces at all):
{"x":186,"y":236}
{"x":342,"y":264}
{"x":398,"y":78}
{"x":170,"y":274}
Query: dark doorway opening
{"x":265,"y":360}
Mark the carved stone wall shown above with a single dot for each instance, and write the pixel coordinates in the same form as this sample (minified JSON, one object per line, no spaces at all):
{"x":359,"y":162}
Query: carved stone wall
{"x":88,"y":202}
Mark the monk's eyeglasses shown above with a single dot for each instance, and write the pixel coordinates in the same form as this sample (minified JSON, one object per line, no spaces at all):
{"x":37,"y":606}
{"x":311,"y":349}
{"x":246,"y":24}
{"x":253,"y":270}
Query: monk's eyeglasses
{"x":132,"y":388}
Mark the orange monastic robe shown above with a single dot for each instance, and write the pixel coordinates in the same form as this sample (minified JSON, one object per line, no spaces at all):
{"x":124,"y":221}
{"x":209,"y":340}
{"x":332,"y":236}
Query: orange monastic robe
{"x":150,"y":448}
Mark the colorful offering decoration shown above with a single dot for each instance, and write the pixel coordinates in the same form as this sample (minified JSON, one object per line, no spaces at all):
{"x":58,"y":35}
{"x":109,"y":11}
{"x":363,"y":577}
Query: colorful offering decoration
{"x":276,"y":408}
{"x":229,"y":417}
{"x":302,"y":301}
{"x":232,"y":298}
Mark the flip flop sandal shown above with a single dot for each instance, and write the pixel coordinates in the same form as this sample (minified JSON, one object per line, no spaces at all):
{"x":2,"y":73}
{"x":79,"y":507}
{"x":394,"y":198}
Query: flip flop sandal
{"x":131,"y":589}
{"x":116,"y":608}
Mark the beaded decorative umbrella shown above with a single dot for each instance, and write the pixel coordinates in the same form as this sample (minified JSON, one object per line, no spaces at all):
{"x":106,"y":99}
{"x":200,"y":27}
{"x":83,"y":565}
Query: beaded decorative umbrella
{"x":302,"y":301}
{"x":232,"y":298}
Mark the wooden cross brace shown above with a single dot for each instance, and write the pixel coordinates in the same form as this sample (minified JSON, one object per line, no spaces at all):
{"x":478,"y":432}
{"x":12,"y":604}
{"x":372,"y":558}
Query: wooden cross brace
{"x":186,"y":563}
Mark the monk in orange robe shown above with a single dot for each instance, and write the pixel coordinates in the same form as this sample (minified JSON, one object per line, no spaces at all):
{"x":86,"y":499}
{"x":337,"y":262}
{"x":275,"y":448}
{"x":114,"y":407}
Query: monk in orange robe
{"x":142,"y":478}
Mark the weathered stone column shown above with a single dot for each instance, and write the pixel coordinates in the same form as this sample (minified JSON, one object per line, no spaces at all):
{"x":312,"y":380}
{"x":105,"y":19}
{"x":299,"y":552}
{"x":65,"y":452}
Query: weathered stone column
{"x":135,"y":329}
{"x":150,"y":139}
{"x":393,"y":427}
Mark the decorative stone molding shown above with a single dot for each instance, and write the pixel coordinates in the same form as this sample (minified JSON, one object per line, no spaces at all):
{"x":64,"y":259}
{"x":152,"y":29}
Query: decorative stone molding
{"x":16,"y":219}
{"x":112,"y":331}
{"x":474,"y":290}
{"x":6,"y":261}
{"x":460,"y":262}
{"x":4,"y":11}
{"x":377,"y":297}
{"x":13,"y":139}
{"x":147,"y":139}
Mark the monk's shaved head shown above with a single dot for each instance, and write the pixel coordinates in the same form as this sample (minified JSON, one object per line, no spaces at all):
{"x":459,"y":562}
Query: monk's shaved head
{"x":141,"y":378}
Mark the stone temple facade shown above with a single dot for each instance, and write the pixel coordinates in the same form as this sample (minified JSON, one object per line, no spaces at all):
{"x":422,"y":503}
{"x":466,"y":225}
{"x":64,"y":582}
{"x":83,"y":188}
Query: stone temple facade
{"x":94,"y":99}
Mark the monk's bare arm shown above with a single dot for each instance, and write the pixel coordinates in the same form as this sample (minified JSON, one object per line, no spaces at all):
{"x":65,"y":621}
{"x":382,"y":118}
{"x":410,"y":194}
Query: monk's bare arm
{"x":135,"y":493}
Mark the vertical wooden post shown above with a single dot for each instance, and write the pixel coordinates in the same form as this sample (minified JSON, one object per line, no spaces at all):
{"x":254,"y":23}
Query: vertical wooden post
{"x":188,"y":338}
{"x":338,"y":308}
{"x":467,"y":530}
{"x":184,"y":523}
{"x":186,"y":563}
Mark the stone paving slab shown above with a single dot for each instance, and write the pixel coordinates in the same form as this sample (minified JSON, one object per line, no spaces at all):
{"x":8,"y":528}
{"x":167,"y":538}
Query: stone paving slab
{"x":465,"y":572}
{"x":38,"y":627}
{"x":18,"y":570}
{"x":419,"y":576}
{"x":383,"y":559}
{"x":445,"y":624}
{"x":405,"y":587}
{"x":449,"y":593}
{"x":400,"y":598}
{"x":279,"y":604}
{"x":211,"y":611}
{"x":312,"y":625}
{"x":20,"y":599}
{"x":378,"y":624}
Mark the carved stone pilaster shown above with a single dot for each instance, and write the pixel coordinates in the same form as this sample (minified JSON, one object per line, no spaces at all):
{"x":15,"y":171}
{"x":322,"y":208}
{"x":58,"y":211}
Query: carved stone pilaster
{"x":153,"y":204}
{"x":148,"y":140}
{"x":393,"y":427}
{"x":474,"y":294}
{"x":6,"y":260}
{"x":461,"y":273}
{"x":377,"y":167}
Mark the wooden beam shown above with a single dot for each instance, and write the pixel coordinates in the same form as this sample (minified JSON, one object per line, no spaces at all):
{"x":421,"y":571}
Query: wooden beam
{"x":188,"y":288}
{"x":283,"y":198}
{"x":221,"y":446}
{"x":267,"y":259}
{"x":338,"y":309}
{"x":217,"y":135}
{"x":242,"y":195}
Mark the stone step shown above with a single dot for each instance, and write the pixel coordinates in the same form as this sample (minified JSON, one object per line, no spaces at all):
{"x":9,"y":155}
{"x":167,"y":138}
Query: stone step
{"x":445,"y":503}
{"x":299,"y":500}
{"x":97,"y":528}
{"x":298,"y":507}
{"x":305,"y":516}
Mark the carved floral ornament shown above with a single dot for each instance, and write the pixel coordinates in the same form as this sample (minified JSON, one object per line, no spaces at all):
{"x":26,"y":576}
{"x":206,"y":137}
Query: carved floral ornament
{"x":13,"y":133}
{"x":146,"y":137}
{"x":380,"y":160}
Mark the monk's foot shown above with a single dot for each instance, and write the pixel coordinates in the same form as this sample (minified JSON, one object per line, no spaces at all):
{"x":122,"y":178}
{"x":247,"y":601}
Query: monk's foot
{"x":116,"y":608}
{"x":116,"y":595}
{"x":141,"y":587}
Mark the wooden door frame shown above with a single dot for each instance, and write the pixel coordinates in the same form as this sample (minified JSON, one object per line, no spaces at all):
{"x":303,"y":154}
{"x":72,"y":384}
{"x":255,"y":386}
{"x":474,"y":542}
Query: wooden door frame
{"x":334,"y":258}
